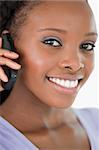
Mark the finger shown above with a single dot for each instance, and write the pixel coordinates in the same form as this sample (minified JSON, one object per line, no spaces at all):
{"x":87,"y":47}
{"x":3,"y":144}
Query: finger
{"x":9,"y":63}
{"x":3,"y":76}
{"x":5,"y":31}
{"x":9,"y":54}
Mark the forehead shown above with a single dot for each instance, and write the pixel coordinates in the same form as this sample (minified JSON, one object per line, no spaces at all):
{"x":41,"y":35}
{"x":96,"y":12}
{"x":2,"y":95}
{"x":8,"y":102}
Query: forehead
{"x":67,"y":13}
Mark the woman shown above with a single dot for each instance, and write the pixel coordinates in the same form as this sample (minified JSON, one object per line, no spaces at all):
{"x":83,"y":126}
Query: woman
{"x":55,"y":41}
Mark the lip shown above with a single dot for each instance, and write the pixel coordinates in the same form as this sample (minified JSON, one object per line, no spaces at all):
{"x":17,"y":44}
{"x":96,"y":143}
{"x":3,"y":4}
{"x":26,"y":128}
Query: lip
{"x":62,"y":89}
{"x":67,"y":77}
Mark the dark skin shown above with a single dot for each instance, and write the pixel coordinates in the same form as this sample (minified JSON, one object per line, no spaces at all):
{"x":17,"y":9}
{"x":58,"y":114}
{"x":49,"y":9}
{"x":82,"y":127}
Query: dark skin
{"x":37,"y":107}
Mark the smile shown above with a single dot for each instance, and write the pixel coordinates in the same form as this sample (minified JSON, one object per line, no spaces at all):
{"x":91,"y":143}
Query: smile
{"x":64,"y":83}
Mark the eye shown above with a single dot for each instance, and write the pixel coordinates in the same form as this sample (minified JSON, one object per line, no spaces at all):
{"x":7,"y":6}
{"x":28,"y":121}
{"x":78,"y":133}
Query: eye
{"x":87,"y":46}
{"x":52,"y":42}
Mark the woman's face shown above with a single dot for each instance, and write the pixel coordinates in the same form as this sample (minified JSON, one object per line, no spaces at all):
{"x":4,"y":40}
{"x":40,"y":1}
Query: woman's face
{"x":57,"y":45}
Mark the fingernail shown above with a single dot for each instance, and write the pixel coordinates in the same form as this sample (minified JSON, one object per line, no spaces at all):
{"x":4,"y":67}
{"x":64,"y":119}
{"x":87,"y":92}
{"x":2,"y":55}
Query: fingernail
{"x":19,"y":66}
{"x":14,"y":53}
{"x":5,"y":79}
{"x":5,"y":31}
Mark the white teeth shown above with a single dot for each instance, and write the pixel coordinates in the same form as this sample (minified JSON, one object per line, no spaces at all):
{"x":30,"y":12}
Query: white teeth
{"x":57,"y":81}
{"x":62,"y":83}
{"x":65,"y":83}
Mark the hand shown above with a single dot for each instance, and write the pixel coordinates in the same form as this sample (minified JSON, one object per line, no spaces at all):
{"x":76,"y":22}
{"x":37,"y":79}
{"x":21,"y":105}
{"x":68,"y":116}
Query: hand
{"x":6,"y":59}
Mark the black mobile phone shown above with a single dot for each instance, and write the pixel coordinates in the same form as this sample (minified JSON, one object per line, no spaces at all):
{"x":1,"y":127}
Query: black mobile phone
{"x":7,"y":44}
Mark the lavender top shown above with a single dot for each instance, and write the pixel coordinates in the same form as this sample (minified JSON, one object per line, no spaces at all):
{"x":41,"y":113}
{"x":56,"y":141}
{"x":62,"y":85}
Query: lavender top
{"x":12,"y":139}
{"x":89,"y":118}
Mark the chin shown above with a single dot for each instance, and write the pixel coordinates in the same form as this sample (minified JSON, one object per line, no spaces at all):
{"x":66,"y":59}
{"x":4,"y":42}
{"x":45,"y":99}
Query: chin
{"x":61,"y":103}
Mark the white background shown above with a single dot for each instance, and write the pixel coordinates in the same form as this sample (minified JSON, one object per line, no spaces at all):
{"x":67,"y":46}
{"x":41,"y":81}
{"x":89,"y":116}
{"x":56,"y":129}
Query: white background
{"x":89,"y":94}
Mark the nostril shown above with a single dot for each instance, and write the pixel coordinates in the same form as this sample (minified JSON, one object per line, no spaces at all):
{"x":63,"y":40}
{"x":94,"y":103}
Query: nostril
{"x":74,"y":64}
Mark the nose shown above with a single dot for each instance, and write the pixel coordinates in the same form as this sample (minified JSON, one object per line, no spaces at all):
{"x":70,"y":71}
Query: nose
{"x":71,"y":61}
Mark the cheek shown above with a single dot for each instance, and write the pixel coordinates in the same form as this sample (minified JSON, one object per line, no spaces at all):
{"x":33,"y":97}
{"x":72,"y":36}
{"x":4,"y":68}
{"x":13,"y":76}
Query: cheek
{"x":37,"y":63}
{"x":89,"y":65}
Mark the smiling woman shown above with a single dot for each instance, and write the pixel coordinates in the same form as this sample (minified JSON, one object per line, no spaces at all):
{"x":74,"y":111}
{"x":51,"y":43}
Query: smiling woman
{"x":55,"y":43}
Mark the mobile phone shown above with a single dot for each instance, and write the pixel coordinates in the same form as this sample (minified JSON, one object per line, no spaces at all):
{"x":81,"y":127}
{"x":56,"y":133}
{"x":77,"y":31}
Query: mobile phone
{"x":8,"y":44}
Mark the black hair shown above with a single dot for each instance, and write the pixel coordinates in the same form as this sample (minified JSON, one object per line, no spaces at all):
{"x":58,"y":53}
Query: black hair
{"x":13,"y":13}
{"x":7,"y":11}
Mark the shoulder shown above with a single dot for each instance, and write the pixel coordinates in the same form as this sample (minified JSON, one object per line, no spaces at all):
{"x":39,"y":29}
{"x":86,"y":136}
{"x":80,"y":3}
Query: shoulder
{"x":92,"y":112}
{"x":13,"y":139}
{"x":88,"y":111}
{"x":89,"y":119}
{"x":90,"y":115}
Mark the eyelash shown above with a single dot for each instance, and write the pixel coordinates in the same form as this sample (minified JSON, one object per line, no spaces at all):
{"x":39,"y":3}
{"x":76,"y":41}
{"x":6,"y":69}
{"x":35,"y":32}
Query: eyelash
{"x":85,"y":46}
{"x":51,"y":42}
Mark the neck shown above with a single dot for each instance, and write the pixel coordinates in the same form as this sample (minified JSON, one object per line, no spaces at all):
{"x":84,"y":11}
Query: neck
{"x":28,"y":114}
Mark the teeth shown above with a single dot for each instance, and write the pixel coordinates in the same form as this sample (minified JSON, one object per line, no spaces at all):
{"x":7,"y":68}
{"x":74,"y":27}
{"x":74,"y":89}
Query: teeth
{"x":67,"y":83}
{"x":64,"y":83}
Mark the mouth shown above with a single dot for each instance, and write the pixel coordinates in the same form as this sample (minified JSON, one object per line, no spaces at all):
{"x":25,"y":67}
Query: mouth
{"x":65,"y":83}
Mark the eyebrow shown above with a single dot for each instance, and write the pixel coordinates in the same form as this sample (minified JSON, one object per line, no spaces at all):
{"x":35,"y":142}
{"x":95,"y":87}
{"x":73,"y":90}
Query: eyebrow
{"x":91,"y":34}
{"x":53,"y":29}
{"x":64,"y":31}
